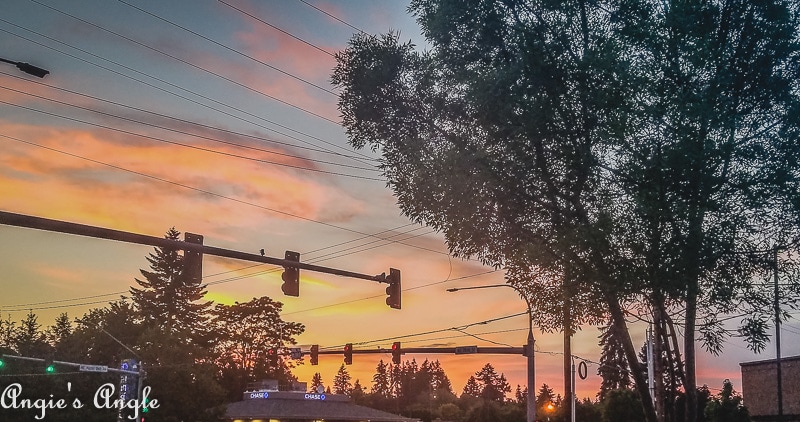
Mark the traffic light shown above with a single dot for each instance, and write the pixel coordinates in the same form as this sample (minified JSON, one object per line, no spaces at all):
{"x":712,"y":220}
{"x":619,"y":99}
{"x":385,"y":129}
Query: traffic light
{"x":394,"y":289}
{"x":49,"y":367}
{"x":193,"y":260}
{"x":396,"y":353}
{"x":315,"y":354}
{"x":272,"y":357}
{"x":348,"y":354}
{"x":2,"y":363}
{"x":291,"y":276}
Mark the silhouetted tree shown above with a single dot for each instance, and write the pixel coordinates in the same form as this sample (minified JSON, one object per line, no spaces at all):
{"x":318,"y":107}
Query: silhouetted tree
{"x":341,"y":382}
{"x":169,"y":299}
{"x":727,"y":406}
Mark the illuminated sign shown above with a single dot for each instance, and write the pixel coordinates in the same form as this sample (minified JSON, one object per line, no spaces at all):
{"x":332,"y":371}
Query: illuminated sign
{"x":259,"y":395}
{"x":310,"y":396}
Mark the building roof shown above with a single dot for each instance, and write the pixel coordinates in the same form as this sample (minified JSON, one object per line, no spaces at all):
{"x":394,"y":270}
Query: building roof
{"x":285,"y":405}
{"x":770,"y":361}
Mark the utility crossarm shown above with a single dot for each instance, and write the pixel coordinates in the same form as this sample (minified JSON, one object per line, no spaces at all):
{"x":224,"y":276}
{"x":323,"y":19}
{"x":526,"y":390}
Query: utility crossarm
{"x":20,"y":220}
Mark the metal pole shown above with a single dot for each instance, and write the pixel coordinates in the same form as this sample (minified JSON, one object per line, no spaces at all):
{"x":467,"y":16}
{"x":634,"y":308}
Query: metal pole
{"x":778,"y":338}
{"x":574,"y":398}
{"x":531,"y":399}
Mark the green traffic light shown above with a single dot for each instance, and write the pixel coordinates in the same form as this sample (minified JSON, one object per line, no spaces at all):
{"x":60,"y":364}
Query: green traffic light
{"x":50,"y":369}
{"x":2,"y":363}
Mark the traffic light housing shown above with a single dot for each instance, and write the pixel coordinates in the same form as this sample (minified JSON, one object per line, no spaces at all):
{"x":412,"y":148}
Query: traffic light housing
{"x":396,"y":352}
{"x":393,"y":291}
{"x":193,"y":260}
{"x":315,"y":354}
{"x":291,"y":276}
{"x":348,"y":354}
{"x":272,"y":356}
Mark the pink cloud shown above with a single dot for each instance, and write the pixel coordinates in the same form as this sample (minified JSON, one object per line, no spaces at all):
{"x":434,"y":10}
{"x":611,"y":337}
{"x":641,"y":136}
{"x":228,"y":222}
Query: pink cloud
{"x":125,"y":200}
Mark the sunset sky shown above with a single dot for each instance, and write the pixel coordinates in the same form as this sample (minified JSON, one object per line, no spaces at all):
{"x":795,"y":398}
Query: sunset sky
{"x":218,"y":118}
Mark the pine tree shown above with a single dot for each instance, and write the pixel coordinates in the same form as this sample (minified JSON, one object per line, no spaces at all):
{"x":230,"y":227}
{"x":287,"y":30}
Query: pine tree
{"x":493,"y":386}
{"x":60,"y":331}
{"x":380,"y":381}
{"x":169,"y":300}
{"x":613,"y":363}
{"x":471,"y":388}
{"x":544,"y":397}
{"x":28,"y":339}
{"x":341,"y":382}
{"x":316,"y":382}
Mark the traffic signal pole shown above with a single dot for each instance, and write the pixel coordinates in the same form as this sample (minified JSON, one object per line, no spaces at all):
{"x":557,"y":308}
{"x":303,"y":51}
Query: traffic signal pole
{"x":20,"y":220}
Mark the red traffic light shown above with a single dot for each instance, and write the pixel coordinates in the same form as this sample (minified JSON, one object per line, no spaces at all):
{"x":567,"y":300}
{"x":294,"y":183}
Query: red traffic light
{"x":348,"y":354}
{"x":396,"y":352}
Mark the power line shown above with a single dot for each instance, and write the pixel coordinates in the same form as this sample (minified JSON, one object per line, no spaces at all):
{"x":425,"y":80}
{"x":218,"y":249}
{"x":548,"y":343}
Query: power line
{"x":276,"y":28}
{"x":332,"y":16}
{"x":462,"y":327}
{"x":275,"y":68}
{"x":227,"y":154}
{"x":153,"y":113}
{"x":172,"y":85}
{"x":216,"y":140}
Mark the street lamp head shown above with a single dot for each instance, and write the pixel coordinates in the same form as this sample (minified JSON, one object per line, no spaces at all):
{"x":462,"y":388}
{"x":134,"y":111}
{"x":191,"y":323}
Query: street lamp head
{"x":32,"y":70}
{"x":454,"y":289}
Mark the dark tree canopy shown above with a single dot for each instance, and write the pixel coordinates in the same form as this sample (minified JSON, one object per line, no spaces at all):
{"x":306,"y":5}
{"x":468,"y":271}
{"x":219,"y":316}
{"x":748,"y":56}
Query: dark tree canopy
{"x":620,"y":152}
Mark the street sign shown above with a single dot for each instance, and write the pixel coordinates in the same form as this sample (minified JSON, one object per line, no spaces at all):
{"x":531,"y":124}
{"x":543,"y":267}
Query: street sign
{"x":93,"y":368}
{"x":465,"y":350}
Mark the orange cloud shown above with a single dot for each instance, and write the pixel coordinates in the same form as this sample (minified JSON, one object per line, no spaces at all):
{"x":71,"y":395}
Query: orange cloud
{"x":128,"y":200}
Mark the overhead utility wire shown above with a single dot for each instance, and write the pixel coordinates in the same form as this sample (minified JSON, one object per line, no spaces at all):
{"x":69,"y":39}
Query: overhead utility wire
{"x":277,"y":29}
{"x":29,"y":306}
{"x":332,"y":305}
{"x":211,"y":193}
{"x":177,"y":119}
{"x":332,"y":16}
{"x":227,"y":154}
{"x":208,"y":138}
{"x":174,"y":86}
{"x":275,"y":68}
{"x":457,"y":328}
{"x":24,"y":306}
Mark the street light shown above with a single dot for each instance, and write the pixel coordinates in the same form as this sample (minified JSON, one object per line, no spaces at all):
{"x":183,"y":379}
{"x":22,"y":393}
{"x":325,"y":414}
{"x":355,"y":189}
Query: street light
{"x":28,"y":68}
{"x":531,"y":415}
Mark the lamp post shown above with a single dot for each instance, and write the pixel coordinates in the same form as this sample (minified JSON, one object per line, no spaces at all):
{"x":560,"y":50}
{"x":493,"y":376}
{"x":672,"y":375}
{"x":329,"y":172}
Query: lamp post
{"x":28,"y":68}
{"x":531,"y":414}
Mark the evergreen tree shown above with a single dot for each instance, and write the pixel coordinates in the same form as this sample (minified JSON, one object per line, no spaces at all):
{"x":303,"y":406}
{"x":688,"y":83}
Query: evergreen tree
{"x":380,"y":381}
{"x":7,"y":329}
{"x":493,"y":386}
{"x":521,"y":395}
{"x":28,"y":339}
{"x":57,"y":333}
{"x":471,"y":388}
{"x":167,"y":298}
{"x":316,"y":382}
{"x":357,"y":392}
{"x":727,"y":406}
{"x":544,"y":397}
{"x":613,"y":363}
{"x":341,"y":382}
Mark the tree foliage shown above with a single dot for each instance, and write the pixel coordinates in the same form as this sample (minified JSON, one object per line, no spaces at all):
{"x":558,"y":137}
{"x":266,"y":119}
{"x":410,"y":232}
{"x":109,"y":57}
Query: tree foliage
{"x":169,"y":299}
{"x":615,"y":153}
